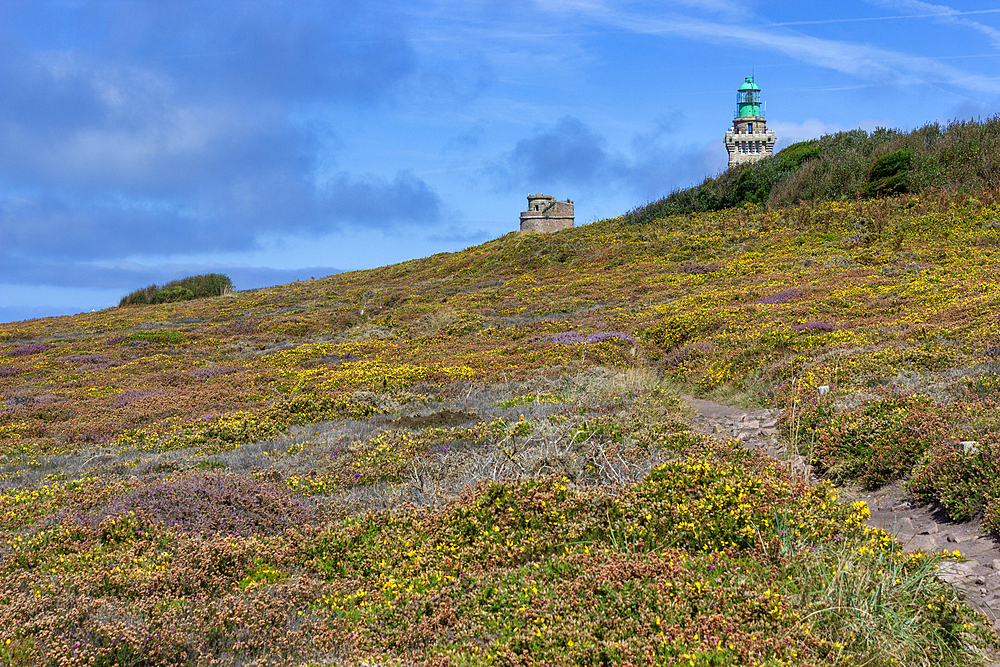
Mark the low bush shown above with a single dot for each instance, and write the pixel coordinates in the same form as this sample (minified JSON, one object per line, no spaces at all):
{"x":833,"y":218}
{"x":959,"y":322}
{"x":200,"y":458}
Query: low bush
{"x":888,"y":175}
{"x":705,"y":562}
{"x":875,"y":444}
{"x":674,"y":331}
{"x":964,"y":484}
{"x":185,"y":289}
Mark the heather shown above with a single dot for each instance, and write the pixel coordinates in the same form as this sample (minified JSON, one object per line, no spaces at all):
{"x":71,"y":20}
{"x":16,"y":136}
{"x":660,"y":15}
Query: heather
{"x":685,"y":551}
{"x":480,"y":457}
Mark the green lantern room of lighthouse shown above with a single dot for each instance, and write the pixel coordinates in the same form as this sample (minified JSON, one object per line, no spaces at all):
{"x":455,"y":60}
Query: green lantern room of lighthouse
{"x":748,"y":99}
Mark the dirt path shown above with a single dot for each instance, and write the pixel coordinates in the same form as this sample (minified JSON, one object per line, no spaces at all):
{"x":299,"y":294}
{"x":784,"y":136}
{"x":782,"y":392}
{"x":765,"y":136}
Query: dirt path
{"x":892,"y":508}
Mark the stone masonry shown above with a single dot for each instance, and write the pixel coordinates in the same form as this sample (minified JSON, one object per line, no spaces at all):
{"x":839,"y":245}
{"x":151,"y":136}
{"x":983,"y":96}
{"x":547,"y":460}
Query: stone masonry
{"x":749,"y":140}
{"x":546,"y":215}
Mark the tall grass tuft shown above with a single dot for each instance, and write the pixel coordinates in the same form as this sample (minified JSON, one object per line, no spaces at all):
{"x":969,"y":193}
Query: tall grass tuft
{"x":889,"y":606}
{"x":192,"y":287}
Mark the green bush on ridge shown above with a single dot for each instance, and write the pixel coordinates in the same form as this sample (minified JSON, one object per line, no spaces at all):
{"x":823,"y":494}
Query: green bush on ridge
{"x":889,"y":175}
{"x":846,"y":166}
{"x":185,"y":289}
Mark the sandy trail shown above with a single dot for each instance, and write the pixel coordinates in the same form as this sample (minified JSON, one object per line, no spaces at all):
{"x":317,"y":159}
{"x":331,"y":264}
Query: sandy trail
{"x":892,"y":508}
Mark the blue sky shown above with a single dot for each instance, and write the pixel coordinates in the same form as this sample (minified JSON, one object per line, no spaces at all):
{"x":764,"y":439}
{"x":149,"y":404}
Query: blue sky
{"x":146,"y":140}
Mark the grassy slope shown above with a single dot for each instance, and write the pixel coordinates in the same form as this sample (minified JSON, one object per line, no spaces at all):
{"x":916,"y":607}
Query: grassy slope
{"x":192,"y":477}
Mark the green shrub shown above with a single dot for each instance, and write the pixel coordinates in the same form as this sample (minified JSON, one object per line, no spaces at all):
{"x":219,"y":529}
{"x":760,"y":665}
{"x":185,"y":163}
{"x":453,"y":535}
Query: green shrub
{"x":192,"y":287}
{"x":890,"y":165}
{"x":209,"y":284}
{"x":174,"y":293}
{"x":876,"y":444}
{"x":842,"y":166}
{"x":964,"y":485}
{"x":793,"y":156}
{"x":888,"y":175}
{"x":140,"y":296}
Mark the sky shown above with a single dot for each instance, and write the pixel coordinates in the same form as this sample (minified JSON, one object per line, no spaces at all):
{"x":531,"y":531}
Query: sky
{"x":142,"y":141}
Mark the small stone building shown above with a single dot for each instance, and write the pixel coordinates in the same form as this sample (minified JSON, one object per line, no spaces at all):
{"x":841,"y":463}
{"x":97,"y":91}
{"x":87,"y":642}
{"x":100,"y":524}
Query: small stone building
{"x":546,"y":215}
{"x":749,"y":140}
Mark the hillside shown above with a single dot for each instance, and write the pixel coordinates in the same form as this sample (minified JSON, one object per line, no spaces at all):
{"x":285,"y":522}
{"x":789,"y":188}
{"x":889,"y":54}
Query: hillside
{"x":480,"y":457}
{"x":960,"y":156}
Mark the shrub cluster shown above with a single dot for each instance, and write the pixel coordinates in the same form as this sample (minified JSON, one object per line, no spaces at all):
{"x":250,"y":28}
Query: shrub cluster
{"x":876,"y":443}
{"x":192,"y":287}
{"x":964,"y":484}
{"x":889,"y":174}
{"x":848,"y":165}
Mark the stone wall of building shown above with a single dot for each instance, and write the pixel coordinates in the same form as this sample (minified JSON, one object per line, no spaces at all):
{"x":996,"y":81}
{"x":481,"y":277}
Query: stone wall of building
{"x":545,"y":214}
{"x":749,"y":140}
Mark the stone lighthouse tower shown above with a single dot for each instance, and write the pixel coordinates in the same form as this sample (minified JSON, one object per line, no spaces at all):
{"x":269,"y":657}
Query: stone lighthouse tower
{"x":748,"y":140}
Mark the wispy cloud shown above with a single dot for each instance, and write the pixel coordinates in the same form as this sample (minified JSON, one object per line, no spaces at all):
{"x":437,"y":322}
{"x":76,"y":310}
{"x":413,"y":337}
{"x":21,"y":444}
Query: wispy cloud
{"x":945,"y":14}
{"x":866,"y":19}
{"x":866,"y":62}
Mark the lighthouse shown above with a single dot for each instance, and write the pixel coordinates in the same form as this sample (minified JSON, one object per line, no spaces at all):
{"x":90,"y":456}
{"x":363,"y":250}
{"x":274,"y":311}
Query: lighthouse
{"x":748,"y":140}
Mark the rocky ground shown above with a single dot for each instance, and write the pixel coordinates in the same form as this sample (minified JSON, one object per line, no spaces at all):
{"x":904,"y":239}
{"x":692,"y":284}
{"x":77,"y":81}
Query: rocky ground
{"x":892,"y":508}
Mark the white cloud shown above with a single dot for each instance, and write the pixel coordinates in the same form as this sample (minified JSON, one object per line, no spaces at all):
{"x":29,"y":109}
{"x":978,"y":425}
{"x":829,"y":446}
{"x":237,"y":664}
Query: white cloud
{"x":790,"y":133}
{"x":132,"y":130}
{"x":813,"y":128}
{"x":943,"y":14}
{"x":861,"y":60}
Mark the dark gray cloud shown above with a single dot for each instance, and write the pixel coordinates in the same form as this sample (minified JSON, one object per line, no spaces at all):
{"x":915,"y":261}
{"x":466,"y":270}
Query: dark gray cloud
{"x":101,"y":227}
{"x":58,"y":228}
{"x":406,"y":198}
{"x":569,"y":154}
{"x":152,"y":127}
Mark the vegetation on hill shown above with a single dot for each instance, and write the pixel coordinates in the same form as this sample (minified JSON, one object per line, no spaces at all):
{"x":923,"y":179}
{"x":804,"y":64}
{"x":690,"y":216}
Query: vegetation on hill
{"x":480,"y":458}
{"x":185,"y":289}
{"x":960,"y":156}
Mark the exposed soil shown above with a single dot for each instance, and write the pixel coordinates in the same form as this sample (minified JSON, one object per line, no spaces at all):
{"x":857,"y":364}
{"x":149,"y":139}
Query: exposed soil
{"x":892,"y":508}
